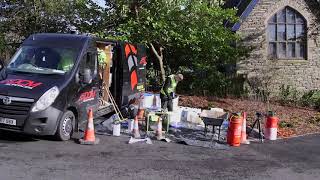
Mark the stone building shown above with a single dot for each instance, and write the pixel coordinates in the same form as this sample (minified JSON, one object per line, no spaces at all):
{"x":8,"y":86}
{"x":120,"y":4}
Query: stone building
{"x":284,"y":41}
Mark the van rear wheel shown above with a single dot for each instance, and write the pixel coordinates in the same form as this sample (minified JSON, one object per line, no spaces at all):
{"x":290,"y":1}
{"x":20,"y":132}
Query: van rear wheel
{"x":65,"y":126}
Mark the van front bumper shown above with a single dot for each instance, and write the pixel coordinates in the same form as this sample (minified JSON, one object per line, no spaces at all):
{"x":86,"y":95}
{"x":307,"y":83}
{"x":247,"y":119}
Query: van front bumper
{"x":43,"y":122}
{"x":38,"y":123}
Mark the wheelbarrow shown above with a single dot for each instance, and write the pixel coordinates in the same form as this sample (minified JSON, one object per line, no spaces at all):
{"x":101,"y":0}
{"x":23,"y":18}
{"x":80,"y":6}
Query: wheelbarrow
{"x":214,"y":119}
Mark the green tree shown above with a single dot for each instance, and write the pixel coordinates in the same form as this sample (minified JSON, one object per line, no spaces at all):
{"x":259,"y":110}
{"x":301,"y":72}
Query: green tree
{"x":23,"y":18}
{"x":181,"y":32}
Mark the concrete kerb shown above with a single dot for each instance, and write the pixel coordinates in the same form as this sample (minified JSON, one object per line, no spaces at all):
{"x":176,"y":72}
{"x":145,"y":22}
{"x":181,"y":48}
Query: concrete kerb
{"x":302,"y":135}
{"x":284,"y":138}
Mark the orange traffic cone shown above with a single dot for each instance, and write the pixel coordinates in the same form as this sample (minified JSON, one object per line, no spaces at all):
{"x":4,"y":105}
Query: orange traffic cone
{"x":159,"y":129}
{"x":136,"y":133}
{"x":244,"y":130}
{"x":141,"y":107}
{"x":141,"y":113}
{"x":89,"y":137}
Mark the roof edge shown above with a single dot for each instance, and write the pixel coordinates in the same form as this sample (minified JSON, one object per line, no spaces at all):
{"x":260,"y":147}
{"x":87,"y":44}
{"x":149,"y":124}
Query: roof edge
{"x":245,"y":14}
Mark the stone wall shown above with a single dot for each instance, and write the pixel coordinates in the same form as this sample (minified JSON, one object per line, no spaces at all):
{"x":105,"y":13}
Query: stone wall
{"x":304,"y":75}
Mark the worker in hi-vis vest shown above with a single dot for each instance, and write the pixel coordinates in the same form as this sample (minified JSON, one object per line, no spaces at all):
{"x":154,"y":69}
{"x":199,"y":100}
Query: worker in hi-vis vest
{"x":67,"y":61}
{"x":168,"y":91}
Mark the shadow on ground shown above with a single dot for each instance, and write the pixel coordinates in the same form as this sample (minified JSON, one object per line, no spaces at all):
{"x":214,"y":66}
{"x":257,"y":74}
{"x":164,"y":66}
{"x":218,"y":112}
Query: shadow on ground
{"x":19,"y":137}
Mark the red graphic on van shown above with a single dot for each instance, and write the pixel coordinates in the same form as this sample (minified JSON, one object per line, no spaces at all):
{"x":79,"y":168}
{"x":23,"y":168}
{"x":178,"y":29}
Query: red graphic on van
{"x":134,"y":79}
{"x":23,"y":83}
{"x":130,"y":48}
{"x":131,"y":53}
{"x":143,"y":60}
{"x":87,"y":96}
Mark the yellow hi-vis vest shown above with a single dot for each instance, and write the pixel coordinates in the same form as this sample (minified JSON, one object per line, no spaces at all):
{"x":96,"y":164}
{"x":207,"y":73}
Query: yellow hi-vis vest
{"x":170,"y":89}
{"x":102,"y":57}
{"x":66,"y":62}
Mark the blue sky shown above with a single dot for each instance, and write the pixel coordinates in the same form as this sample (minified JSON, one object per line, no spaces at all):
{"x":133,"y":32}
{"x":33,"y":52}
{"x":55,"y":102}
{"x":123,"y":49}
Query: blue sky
{"x":100,"y":2}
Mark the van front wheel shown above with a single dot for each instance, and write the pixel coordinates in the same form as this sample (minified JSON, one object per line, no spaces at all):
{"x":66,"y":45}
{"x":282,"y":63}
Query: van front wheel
{"x":65,"y":127}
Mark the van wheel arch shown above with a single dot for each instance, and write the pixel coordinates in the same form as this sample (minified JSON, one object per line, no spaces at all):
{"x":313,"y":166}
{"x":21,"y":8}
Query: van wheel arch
{"x":75,"y":122}
{"x":65,"y":127}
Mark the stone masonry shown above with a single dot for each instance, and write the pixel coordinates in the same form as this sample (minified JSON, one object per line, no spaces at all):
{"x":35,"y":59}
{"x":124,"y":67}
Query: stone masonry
{"x":304,"y":75}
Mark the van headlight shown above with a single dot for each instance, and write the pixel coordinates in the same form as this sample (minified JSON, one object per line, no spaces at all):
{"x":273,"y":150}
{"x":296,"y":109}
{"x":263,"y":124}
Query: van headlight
{"x":46,"y":99}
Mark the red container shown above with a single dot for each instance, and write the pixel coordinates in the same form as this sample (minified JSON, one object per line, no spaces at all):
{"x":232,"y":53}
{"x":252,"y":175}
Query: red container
{"x":234,"y":131}
{"x":271,"y":128}
{"x":272,"y":122}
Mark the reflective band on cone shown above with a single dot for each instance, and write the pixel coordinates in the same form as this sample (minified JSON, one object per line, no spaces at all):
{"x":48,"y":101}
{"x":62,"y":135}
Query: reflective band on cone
{"x":89,"y":136}
{"x":244,"y":130}
{"x":89,"y":133}
{"x":159,"y":129}
{"x":90,"y":125}
{"x":136,"y":133}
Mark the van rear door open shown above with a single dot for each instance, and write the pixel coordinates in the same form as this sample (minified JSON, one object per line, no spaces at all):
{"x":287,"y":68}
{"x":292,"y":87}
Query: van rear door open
{"x":130,"y":73}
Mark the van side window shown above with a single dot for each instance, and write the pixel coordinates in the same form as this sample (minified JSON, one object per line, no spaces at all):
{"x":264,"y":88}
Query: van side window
{"x":89,"y":61}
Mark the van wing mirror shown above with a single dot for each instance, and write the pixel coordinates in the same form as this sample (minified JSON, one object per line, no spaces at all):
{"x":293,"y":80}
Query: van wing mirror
{"x":1,"y":65}
{"x":3,"y":73}
{"x":87,"y":77}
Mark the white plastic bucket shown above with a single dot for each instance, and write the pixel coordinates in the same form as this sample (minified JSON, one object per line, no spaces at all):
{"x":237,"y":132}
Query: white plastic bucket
{"x":193,"y":117}
{"x":175,"y":103}
{"x":147,"y":100}
{"x":151,"y":101}
{"x":190,"y":115}
{"x":157,"y":104}
{"x":175,"y":116}
{"x":116,"y":129}
{"x":184,"y":114}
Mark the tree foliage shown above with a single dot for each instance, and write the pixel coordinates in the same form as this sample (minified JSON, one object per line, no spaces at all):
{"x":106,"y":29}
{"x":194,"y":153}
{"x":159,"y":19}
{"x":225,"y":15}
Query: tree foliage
{"x":183,"y":35}
{"x":186,"y":35}
{"x":22,"y":18}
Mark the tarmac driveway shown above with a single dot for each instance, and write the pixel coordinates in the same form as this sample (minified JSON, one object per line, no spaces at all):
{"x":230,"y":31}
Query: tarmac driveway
{"x":30,"y":158}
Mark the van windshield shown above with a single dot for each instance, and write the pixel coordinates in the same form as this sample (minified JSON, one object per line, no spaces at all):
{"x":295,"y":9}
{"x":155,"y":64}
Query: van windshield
{"x":43,"y":60}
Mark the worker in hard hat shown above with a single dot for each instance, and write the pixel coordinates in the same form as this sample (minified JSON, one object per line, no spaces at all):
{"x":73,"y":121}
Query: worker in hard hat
{"x":168,"y":91}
